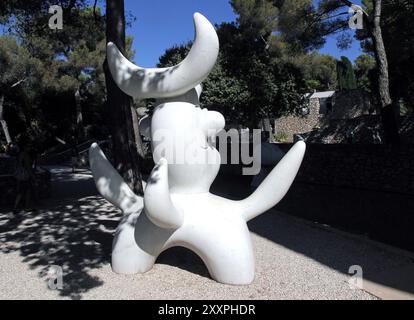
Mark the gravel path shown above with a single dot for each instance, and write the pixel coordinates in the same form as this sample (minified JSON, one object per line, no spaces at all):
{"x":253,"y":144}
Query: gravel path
{"x":294,"y":259}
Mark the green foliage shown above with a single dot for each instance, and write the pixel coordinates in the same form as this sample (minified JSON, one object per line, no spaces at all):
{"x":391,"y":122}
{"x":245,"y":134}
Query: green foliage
{"x":225,"y":93}
{"x":252,"y":79}
{"x":365,"y":72}
{"x":281,"y":137}
{"x":221,"y":90}
{"x":256,"y":17}
{"x":16,"y":64}
{"x":346,"y":75}
{"x":56,"y":64}
{"x":19,"y":73}
{"x":319,"y":70}
{"x":298,"y":25}
{"x":174,"y":55}
{"x":405,"y":110}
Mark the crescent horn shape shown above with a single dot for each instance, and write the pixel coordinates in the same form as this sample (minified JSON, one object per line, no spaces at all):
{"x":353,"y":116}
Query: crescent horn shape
{"x":146,"y":83}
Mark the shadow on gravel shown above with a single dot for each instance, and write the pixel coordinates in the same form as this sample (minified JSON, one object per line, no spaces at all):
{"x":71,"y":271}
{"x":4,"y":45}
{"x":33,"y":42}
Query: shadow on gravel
{"x":338,"y":252}
{"x":184,"y":259}
{"x":75,"y":235}
{"x":335,"y":251}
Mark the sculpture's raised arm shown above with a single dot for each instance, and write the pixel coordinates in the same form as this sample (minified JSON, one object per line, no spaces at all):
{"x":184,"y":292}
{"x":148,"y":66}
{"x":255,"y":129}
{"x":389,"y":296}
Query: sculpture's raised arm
{"x":158,"y":204}
{"x":276,"y":185}
{"x":111,"y":185}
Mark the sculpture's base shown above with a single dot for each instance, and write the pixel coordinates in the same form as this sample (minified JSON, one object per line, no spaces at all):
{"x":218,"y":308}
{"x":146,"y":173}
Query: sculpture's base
{"x":214,"y":232}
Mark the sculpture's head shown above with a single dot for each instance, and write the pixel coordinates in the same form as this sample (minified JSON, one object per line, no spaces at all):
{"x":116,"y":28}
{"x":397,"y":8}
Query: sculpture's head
{"x":184,"y":135}
{"x":182,"y":132}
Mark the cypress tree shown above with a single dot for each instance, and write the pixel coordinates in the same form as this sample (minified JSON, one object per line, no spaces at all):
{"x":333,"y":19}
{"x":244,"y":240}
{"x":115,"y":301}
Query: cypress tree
{"x":346,"y":75}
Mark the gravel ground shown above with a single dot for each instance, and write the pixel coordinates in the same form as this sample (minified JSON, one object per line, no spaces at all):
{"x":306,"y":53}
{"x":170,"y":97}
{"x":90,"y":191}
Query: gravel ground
{"x":295,"y":260}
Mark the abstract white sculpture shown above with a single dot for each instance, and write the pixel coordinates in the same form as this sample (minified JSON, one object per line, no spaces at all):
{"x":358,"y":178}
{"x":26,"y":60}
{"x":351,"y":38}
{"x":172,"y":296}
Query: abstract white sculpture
{"x":178,"y":209}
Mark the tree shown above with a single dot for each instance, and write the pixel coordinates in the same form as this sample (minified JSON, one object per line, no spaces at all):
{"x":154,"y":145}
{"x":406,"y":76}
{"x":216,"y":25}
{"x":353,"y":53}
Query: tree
{"x":398,"y":34}
{"x":319,"y":70}
{"x":251,"y":80}
{"x":70,"y":68}
{"x":365,"y":73}
{"x":80,"y":48}
{"x":17,"y":70}
{"x":327,"y":19}
{"x":256,"y":17}
{"x":389,"y":111}
{"x":297,"y":25}
{"x":72,"y":74}
{"x":120,"y":110}
{"x":3,"y":121}
{"x":346,"y":75}
{"x":221,"y":90}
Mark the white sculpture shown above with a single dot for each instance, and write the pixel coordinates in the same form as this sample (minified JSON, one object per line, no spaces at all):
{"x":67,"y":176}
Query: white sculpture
{"x":178,"y":209}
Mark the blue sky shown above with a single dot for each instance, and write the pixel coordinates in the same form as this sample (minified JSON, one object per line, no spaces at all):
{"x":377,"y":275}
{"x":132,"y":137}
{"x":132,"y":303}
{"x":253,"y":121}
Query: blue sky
{"x":161,"y":24}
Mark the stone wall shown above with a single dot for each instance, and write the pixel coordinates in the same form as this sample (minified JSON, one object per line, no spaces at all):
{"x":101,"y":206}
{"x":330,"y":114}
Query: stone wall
{"x":373,"y":167}
{"x":381,"y":216}
{"x":291,"y":125}
{"x":347,"y":105}
{"x":360,"y":130}
{"x":363,"y":189}
{"x":350,"y":104}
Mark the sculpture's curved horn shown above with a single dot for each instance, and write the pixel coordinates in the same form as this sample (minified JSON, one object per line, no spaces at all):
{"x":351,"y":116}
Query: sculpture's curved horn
{"x":168,"y":82}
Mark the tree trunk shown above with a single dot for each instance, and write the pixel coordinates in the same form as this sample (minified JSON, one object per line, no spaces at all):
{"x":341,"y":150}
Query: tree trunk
{"x":137,"y":135}
{"x":79,"y":116}
{"x":3,"y":122}
{"x":126,"y":157}
{"x":389,"y":111}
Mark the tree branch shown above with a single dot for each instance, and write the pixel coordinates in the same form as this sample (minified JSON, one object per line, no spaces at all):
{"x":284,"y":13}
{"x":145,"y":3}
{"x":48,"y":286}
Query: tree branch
{"x":1,"y":107}
{"x":347,"y":3}
{"x":72,"y":4}
{"x":18,"y":83}
{"x":335,"y":16}
{"x":94,"y":10}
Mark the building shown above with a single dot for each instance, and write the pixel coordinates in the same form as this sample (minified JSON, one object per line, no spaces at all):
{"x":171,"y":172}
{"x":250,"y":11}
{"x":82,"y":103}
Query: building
{"x":324,"y":107}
